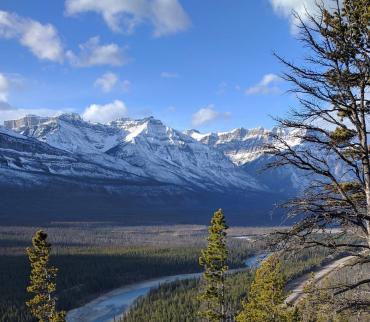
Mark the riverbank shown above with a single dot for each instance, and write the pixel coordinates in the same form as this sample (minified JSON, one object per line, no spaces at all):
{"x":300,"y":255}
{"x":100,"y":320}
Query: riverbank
{"x":115,"y":303}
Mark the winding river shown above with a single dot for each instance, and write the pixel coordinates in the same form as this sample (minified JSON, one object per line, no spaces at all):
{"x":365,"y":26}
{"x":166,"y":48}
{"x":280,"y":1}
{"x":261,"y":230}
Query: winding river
{"x":110,"y":306}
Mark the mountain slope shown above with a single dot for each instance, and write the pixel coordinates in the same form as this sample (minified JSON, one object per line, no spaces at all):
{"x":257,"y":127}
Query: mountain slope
{"x":64,"y":168}
{"x":145,"y":148}
{"x":246,"y":149}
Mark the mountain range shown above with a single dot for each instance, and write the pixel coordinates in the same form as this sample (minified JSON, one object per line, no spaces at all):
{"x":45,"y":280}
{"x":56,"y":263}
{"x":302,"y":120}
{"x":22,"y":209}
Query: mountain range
{"x":136,"y":171}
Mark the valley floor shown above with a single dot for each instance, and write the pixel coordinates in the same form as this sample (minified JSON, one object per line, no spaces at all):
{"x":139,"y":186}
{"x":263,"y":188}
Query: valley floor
{"x":94,"y":258}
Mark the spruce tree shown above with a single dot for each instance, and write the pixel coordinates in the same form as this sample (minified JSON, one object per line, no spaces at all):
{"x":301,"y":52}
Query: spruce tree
{"x":213,"y":258}
{"x":266,"y":296}
{"x":42,"y":281}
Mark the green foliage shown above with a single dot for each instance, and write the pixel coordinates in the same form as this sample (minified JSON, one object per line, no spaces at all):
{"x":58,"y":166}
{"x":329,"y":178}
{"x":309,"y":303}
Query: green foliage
{"x":342,"y":135}
{"x":347,"y":30}
{"x":103,"y":270}
{"x":42,"y":281}
{"x":111,"y":257}
{"x":306,"y":260}
{"x":265,"y":299}
{"x":317,"y":305}
{"x":213,"y":259}
{"x":177,"y":301}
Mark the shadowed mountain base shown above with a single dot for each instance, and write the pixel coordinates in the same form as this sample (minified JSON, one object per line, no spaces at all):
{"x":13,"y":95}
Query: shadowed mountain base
{"x":68,"y":202}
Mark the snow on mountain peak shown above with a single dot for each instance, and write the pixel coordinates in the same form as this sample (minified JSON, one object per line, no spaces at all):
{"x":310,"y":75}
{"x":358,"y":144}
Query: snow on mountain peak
{"x":196,"y":135}
{"x":241,"y":145}
{"x":69,"y":132}
{"x":69,"y":117}
{"x":145,"y":146}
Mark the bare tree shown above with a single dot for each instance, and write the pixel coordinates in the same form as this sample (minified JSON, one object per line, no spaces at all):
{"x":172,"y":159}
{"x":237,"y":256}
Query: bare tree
{"x":331,"y":125}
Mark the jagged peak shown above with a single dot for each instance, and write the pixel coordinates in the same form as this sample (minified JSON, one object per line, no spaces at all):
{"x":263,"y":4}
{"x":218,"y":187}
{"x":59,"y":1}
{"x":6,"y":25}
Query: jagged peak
{"x":70,"y":117}
{"x":190,"y":131}
{"x":196,"y":135}
{"x":239,"y":133}
{"x":129,"y":121}
{"x":151,"y":120}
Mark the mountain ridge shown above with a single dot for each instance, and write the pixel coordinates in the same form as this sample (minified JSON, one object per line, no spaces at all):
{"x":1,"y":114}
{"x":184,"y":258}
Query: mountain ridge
{"x":143,"y":162}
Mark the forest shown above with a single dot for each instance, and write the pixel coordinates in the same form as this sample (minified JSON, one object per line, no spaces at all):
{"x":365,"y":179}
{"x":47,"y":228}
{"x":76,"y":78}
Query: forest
{"x":177,"y":301}
{"x":94,"y":258}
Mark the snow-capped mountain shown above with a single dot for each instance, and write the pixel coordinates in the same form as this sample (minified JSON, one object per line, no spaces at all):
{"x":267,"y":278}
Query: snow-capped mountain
{"x":145,"y":148}
{"x":241,"y":145}
{"x":137,"y":166}
{"x":23,"y":157}
{"x":247,"y":149}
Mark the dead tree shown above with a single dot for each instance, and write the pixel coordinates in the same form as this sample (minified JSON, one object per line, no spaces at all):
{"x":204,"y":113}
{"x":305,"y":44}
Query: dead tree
{"x":331,"y":126}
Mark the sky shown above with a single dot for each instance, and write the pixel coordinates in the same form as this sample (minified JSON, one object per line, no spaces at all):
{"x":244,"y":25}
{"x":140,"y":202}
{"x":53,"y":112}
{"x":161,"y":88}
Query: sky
{"x":207,"y":64}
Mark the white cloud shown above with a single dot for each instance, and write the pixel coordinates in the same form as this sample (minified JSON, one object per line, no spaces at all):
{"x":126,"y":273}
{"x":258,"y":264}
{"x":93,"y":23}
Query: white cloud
{"x":8,"y":82}
{"x":4,"y":88}
{"x":105,"y":113}
{"x":167,"y":16}
{"x":92,"y":53}
{"x":169,"y":75}
{"x":287,"y":7}
{"x":207,"y":114}
{"x":41,"y":39}
{"x":267,"y":85}
{"x":107,"y":81}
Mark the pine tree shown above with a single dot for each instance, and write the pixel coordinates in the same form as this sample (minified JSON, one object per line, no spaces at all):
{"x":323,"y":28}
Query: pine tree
{"x":266,"y":296}
{"x":213,"y":259}
{"x":42,"y":281}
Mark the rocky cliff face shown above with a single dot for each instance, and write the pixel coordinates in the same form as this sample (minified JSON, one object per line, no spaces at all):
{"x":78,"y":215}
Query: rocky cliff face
{"x":240,"y":145}
{"x":247,"y":150}
{"x":27,"y":121}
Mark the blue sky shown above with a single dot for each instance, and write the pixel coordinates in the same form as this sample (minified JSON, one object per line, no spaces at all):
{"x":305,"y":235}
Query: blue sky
{"x":194,"y":64}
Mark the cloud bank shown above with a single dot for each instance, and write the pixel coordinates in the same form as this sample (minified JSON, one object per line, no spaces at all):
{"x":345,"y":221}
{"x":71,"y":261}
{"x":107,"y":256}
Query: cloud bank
{"x":92,"y":53}
{"x":4,"y":88}
{"x":44,"y":42}
{"x":109,"y":81}
{"x":287,"y":7}
{"x":41,"y":39}
{"x":105,"y":113}
{"x":166,"y":16}
{"x":207,"y":115}
{"x":267,"y":85}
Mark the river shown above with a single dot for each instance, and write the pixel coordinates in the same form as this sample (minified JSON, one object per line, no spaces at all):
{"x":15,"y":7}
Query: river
{"x":113,"y":304}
